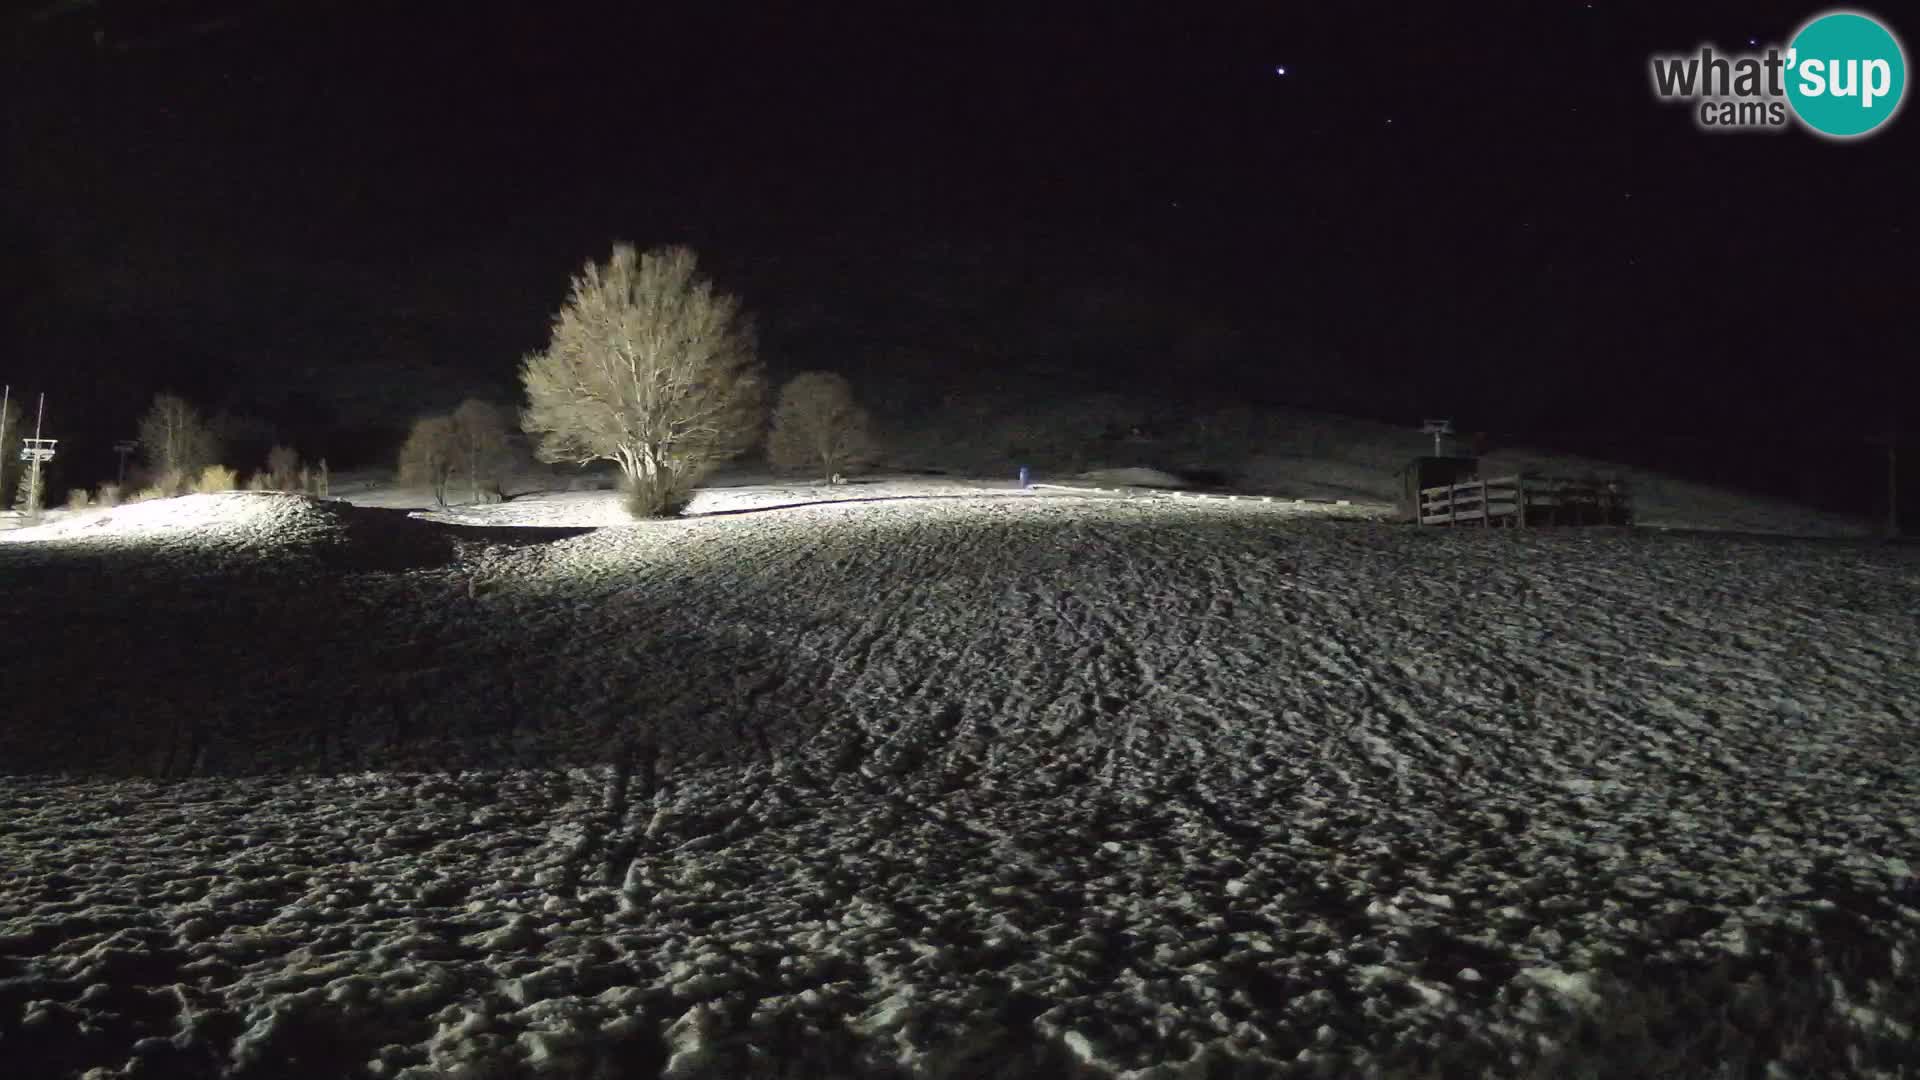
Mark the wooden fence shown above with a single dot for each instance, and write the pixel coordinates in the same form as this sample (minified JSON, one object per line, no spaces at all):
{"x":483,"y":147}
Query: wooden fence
{"x":1521,"y":500}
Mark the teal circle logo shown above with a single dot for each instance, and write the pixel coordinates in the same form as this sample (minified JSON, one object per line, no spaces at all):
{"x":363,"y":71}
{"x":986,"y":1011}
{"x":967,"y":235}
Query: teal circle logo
{"x":1846,"y":74}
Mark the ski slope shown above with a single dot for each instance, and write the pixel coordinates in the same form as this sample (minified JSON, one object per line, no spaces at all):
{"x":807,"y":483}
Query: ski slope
{"x":1029,"y":784}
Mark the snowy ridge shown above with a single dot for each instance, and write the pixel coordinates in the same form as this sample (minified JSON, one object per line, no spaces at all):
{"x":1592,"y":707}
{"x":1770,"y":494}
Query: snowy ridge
{"x":996,"y":784}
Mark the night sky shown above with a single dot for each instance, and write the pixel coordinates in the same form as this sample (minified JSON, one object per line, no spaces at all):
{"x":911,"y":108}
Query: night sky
{"x":328,"y":215}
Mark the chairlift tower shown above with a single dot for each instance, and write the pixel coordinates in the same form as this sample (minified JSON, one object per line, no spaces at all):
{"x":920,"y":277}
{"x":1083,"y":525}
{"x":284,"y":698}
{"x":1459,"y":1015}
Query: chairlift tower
{"x":1439,"y":429}
{"x":36,"y":452}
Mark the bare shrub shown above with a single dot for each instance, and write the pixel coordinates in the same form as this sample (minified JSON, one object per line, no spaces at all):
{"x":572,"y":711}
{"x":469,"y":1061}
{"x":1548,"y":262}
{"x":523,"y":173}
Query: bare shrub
{"x":427,"y":456}
{"x":78,"y":499}
{"x":215,"y":478}
{"x":817,"y":424}
{"x":650,"y":368}
{"x":149,"y":494}
{"x":109,"y":495}
{"x":323,"y":480}
{"x":175,"y":438}
{"x":283,"y":467}
{"x":260,"y":481}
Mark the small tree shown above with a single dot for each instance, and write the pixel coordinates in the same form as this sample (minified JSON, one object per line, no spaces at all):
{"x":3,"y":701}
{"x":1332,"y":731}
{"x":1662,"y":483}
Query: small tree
{"x":647,"y":367}
{"x":427,"y":456}
{"x":480,"y":445}
{"x":283,"y":468}
{"x":818,"y":424}
{"x":177,"y":441}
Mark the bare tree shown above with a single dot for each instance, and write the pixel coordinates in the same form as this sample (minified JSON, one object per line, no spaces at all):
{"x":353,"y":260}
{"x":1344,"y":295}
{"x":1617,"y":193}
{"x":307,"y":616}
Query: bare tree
{"x":11,"y":433}
{"x":428,"y":455}
{"x":817,"y":423}
{"x":283,"y":468}
{"x":647,"y":367}
{"x":177,"y":441}
{"x":480,"y":445}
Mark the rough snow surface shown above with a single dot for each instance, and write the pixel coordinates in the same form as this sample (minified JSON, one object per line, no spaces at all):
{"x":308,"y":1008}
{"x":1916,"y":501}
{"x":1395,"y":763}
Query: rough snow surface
{"x":994,"y":784}
{"x":603,"y":509}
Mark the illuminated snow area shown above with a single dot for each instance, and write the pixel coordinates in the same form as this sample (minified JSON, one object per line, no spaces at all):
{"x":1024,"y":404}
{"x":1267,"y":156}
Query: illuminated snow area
{"x":941,"y":781}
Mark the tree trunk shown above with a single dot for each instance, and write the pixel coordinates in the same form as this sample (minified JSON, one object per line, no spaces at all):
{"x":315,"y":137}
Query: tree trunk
{"x":473,"y":463}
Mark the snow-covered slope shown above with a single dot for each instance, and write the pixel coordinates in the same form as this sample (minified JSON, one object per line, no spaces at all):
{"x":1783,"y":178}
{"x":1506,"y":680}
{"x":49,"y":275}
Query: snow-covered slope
{"x":1286,"y":452}
{"x":988,"y":784}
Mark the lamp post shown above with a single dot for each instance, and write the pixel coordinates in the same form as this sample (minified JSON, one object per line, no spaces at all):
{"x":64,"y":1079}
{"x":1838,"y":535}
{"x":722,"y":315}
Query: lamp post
{"x":1439,"y":429}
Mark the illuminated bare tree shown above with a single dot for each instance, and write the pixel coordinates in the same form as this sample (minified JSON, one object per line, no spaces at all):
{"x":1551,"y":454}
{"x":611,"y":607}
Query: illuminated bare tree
{"x":177,"y":441}
{"x":650,"y":368}
{"x":818,"y":424}
{"x":427,"y":457}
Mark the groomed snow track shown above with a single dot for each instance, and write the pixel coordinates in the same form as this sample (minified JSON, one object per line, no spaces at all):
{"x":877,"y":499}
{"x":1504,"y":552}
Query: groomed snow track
{"x":960,"y":787}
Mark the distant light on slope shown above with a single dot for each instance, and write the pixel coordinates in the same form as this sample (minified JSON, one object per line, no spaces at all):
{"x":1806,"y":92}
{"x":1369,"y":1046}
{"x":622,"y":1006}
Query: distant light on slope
{"x":1280,"y":70}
